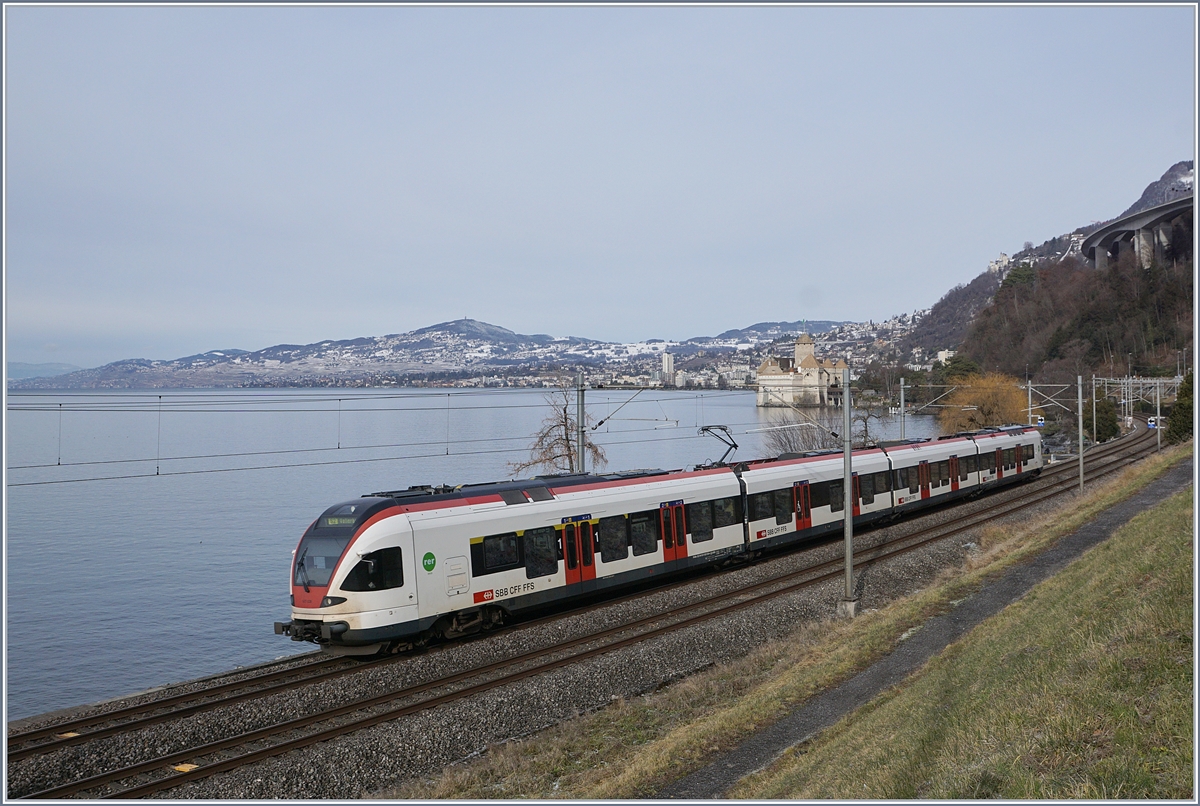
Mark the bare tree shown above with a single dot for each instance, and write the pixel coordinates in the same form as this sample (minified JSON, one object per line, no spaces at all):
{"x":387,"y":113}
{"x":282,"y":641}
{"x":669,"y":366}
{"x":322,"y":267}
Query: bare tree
{"x":792,"y":432}
{"x":555,"y":445}
{"x":866,"y":423}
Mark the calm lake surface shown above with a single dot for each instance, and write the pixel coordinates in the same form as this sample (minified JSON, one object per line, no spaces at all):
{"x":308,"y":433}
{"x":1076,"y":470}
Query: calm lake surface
{"x":149,"y":536}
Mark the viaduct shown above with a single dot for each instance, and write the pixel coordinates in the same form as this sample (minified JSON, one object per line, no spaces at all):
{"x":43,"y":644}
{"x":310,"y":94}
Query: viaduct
{"x":1147,"y":232}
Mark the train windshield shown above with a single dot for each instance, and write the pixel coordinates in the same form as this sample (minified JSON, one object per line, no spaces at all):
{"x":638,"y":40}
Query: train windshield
{"x":322,"y":547}
{"x":316,"y":558}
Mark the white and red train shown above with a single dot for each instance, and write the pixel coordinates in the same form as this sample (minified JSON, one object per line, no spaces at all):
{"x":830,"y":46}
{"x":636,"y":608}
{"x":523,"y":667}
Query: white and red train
{"x":393,"y":569}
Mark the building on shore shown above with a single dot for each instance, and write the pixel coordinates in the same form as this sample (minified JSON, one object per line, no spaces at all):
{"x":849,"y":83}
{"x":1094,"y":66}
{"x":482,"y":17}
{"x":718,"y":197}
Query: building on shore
{"x":801,"y":380}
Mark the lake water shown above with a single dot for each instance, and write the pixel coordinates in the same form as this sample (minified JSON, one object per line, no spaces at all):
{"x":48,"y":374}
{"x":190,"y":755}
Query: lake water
{"x":149,"y":537}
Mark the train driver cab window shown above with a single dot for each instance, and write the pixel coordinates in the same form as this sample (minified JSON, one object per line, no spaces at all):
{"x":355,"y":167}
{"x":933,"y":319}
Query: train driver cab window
{"x":643,"y":532}
{"x":614,"y":538}
{"x":541,"y":552}
{"x":317,"y":558}
{"x":378,"y":570}
{"x":700,"y":519}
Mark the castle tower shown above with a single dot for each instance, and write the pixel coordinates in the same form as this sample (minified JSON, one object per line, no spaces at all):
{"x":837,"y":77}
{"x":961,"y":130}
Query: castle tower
{"x":804,"y":346}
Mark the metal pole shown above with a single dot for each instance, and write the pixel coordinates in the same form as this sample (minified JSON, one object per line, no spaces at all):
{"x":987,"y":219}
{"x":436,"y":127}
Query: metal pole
{"x":1157,"y":414}
{"x":1093,"y":409}
{"x":901,"y":408}
{"x":1080,"y":410}
{"x":579,"y":423}
{"x":848,"y":607}
{"x":1029,"y":399}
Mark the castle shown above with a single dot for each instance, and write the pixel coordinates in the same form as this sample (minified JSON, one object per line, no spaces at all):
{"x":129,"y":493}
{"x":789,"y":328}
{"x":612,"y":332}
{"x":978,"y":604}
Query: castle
{"x":803,"y":380}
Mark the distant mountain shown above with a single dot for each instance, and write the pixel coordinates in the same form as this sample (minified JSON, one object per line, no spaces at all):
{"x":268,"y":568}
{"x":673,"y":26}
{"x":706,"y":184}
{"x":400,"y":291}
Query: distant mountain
{"x":18,"y":370}
{"x":769,"y":331}
{"x":1179,"y":181}
{"x":464,"y":345}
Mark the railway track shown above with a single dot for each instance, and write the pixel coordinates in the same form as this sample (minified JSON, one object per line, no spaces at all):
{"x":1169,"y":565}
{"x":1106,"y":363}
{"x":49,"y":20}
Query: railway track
{"x":172,"y":769}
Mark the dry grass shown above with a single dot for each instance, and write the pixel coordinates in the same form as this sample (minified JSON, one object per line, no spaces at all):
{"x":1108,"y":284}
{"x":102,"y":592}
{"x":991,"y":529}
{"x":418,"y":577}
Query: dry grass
{"x":1083,"y":689}
{"x":633,"y":748}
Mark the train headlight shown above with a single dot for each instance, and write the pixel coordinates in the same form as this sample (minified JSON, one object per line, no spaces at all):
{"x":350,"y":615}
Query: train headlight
{"x":330,"y":601}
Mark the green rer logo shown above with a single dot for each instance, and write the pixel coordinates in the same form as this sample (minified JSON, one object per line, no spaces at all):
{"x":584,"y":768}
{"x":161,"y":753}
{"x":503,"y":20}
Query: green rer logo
{"x":428,"y":561}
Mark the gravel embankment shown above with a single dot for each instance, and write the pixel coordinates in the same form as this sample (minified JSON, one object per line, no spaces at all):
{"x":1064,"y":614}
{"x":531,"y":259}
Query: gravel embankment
{"x":421,"y":744}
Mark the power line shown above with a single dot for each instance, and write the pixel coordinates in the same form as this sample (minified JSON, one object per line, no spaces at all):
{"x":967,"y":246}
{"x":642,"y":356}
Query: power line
{"x":325,"y":463}
{"x":289,"y":451}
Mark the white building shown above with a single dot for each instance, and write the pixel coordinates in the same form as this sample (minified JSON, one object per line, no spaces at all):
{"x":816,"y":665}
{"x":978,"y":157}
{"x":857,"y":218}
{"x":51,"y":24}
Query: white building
{"x":802,"y":380}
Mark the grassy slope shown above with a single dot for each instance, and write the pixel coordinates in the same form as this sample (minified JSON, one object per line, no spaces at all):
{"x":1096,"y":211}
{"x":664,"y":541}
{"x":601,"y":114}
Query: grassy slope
{"x":1083,"y":689}
{"x":634,"y":747}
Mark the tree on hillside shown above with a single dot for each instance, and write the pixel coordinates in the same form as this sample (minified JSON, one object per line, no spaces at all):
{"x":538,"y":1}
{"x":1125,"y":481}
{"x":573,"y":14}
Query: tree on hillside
{"x":1106,"y":419}
{"x":956,"y":368}
{"x":982,"y":401}
{"x":555,"y":445}
{"x":1179,"y":426}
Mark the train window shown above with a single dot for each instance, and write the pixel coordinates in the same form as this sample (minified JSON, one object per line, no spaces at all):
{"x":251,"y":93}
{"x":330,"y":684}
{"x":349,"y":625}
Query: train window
{"x":818,"y":495}
{"x":500,"y":552}
{"x":379,"y":570}
{"x":1010,"y":459}
{"x":883,"y":482}
{"x":539,"y":494}
{"x":971,"y":464}
{"x":317,"y":558}
{"x":989,"y":461}
{"x":700,"y":519}
{"x":614,"y":538}
{"x":643,"y":528}
{"x":943,"y":473}
{"x":761,"y":506}
{"x":1028,"y":453}
{"x":541,"y":552}
{"x":784,"y":507}
{"x":962,"y":469}
{"x":726,"y":512}
{"x":836,"y":496}
{"x":866,"y":489}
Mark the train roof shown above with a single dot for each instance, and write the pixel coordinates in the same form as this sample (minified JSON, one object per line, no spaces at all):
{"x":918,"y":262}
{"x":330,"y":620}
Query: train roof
{"x":513,"y":491}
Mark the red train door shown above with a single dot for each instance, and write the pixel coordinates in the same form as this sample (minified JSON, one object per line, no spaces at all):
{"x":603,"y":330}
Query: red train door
{"x":1019,"y":453}
{"x":999,"y":463}
{"x":854,"y":492}
{"x":803,"y":505}
{"x":953,"y":472}
{"x":673,"y":530}
{"x":923,"y":475}
{"x":578,"y":552}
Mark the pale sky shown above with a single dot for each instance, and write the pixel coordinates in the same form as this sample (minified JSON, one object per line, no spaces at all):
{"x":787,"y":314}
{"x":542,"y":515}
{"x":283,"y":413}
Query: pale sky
{"x":182,"y":179}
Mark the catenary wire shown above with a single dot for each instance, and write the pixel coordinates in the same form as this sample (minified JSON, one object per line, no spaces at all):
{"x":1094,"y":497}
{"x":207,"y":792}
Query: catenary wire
{"x":324,"y":463}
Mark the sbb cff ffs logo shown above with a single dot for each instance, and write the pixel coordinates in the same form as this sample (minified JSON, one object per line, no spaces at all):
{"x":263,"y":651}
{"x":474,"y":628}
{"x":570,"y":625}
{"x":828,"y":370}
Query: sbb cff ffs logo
{"x":484,"y":596}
